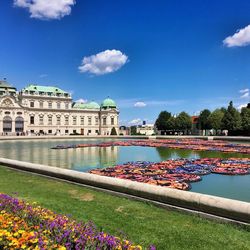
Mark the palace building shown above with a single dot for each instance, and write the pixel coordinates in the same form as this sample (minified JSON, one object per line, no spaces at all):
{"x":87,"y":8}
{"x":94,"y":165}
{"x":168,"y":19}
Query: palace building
{"x":50,"y":110}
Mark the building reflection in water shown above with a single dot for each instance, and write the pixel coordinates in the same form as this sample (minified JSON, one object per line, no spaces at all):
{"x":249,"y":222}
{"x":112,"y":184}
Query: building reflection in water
{"x":81,"y":159}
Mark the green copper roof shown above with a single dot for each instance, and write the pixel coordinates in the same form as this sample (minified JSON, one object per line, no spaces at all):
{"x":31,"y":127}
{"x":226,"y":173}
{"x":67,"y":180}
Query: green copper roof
{"x":90,"y":105}
{"x":4,"y":84}
{"x":46,"y":89}
{"x":108,"y":103}
{"x":93,"y":105}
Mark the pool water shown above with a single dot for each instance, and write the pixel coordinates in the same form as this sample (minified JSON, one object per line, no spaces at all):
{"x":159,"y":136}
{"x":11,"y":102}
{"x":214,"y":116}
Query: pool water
{"x":84,"y":159}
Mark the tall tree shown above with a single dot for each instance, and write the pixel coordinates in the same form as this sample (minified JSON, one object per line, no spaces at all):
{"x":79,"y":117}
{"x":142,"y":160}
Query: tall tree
{"x":133,"y":130}
{"x":113,"y":131}
{"x":203,"y":122}
{"x":171,"y":123}
{"x":161,"y":122}
{"x":215,"y":119}
{"x":183,"y":122}
{"x":231,"y":120}
{"x":245,"y":119}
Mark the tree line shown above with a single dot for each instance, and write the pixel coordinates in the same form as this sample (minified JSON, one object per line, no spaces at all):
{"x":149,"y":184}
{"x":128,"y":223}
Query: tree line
{"x":229,"y":119}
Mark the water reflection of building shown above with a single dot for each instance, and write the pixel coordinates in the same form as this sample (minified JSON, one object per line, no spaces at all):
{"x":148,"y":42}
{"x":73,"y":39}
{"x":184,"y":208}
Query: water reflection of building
{"x":76,"y":158}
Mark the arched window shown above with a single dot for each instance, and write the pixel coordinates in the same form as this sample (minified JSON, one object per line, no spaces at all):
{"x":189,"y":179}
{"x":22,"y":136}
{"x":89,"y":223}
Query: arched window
{"x":7,"y":124}
{"x":19,"y":124}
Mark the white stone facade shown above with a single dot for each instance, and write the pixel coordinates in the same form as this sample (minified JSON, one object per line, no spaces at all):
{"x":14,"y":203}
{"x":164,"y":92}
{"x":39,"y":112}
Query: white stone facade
{"x":51,"y":111}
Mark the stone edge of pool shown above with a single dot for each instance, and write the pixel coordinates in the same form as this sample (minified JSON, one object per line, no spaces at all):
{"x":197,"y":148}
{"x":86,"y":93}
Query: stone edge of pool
{"x":213,"y":205}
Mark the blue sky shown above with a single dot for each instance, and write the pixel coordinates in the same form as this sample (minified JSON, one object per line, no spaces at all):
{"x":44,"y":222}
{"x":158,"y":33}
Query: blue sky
{"x":146,"y":55}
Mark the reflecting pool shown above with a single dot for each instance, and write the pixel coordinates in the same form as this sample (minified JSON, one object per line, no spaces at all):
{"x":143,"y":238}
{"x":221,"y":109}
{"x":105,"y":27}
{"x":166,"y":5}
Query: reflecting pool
{"x":84,"y":159}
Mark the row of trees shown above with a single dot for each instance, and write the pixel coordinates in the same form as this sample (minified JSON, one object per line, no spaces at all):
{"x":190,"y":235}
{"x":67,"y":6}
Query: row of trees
{"x":230,"y":119}
{"x":167,"y":122}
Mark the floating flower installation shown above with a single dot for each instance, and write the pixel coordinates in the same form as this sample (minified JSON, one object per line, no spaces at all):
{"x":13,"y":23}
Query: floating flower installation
{"x":177,"y":173}
{"x":192,"y":144}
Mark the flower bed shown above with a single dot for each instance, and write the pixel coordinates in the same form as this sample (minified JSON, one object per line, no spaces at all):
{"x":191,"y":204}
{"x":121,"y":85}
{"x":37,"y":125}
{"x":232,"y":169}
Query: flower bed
{"x":29,"y":226}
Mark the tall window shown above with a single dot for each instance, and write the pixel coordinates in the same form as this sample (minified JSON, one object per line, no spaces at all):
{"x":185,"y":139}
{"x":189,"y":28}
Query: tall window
{"x":112,"y":120}
{"x":7,"y":124}
{"x":82,"y":120}
{"x":96,"y":120}
{"x":74,"y":120}
{"x":32,"y":104}
{"x":50,"y":105}
{"x":41,"y":120}
{"x":58,"y":105}
{"x":104,"y":121}
{"x":50,"y":120}
{"x":32,"y":120}
{"x":66,"y":106}
{"x":58,"y":120}
{"x":66,"y":120}
{"x":41,"y":104}
{"x":89,"y":120}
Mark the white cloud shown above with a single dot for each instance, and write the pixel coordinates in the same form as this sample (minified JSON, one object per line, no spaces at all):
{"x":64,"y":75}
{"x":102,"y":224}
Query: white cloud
{"x":242,"y":91}
{"x":105,"y":62}
{"x":240,"y":38}
{"x":242,"y":106}
{"x":46,"y":9}
{"x":43,"y":75}
{"x":245,"y":95}
{"x":82,"y":100}
{"x":140,"y":104}
{"x":135,"y":121}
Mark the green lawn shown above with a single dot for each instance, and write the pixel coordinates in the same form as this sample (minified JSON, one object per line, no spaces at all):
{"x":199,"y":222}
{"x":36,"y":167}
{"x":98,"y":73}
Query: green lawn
{"x":143,"y":223}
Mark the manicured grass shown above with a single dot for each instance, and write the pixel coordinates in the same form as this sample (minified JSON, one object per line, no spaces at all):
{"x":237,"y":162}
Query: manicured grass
{"x":143,"y":223}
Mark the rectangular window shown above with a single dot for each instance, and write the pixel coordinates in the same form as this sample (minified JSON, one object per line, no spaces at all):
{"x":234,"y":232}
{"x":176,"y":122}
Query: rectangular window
{"x":97,"y":132}
{"x":32,"y":120}
{"x":49,"y":120}
{"x":40,"y":120}
{"x":66,"y":120}
{"x":58,"y":105}
{"x":112,"y":120}
{"x":96,"y":120}
{"x":50,"y":131}
{"x":74,"y":131}
{"x":82,"y":120}
{"x":104,"y":121}
{"x":50,"y":105}
{"x":58,"y":120}
{"x":41,"y":104}
{"x":66,"y":106}
{"x":66,"y":131}
{"x":89,"y":131}
{"x":89,"y":121}
{"x":32,"y":104}
{"x":74,"y":120}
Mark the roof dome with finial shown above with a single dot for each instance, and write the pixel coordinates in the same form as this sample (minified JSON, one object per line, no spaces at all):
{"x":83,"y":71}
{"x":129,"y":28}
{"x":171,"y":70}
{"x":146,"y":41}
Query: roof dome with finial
{"x":108,"y":103}
{"x":93,"y":105}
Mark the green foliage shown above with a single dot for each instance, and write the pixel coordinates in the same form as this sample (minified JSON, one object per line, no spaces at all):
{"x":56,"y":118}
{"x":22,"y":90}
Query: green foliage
{"x":232,"y":119}
{"x":113,"y":131}
{"x":161,"y":122}
{"x":203,"y":121}
{"x":171,"y":123}
{"x":183,"y":121}
{"x":133,"y":130}
{"x":245,"y":119}
{"x":215,"y":119}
